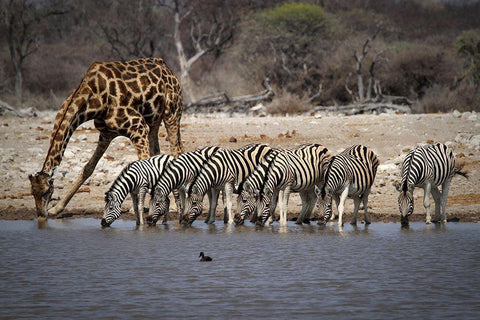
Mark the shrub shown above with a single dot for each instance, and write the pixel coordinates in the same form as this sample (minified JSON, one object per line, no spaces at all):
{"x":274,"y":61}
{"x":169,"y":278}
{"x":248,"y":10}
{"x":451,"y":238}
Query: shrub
{"x":285,"y":103}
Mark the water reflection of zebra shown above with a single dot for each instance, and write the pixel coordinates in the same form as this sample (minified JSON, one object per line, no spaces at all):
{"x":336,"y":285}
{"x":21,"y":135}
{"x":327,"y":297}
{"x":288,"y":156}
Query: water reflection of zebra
{"x":349,"y":174}
{"x":178,"y":175}
{"x":222,"y":171}
{"x":298,"y":170}
{"x":427,"y":167}
{"x":136,"y":178}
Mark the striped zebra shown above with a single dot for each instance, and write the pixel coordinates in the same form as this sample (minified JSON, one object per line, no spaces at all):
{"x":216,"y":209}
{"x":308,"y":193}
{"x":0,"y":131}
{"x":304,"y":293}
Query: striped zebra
{"x":247,"y":197}
{"x":178,"y":175}
{"x":226,"y":169}
{"x":298,"y":170}
{"x":349,"y":174}
{"x":428,"y":167}
{"x":136,"y":178}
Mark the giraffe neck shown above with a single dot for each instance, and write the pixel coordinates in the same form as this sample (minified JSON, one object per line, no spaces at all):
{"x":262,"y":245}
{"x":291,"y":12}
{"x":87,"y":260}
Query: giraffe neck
{"x":72,"y":113}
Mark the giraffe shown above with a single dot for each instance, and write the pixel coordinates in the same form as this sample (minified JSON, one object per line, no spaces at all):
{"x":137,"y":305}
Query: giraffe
{"x":128,"y":99}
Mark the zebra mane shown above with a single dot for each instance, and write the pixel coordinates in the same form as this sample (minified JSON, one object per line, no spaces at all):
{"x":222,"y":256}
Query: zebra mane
{"x":204,"y":162}
{"x":240,"y":186}
{"x":405,"y":183}
{"x":327,"y":175}
{"x":269,"y":167}
{"x":122,"y":173}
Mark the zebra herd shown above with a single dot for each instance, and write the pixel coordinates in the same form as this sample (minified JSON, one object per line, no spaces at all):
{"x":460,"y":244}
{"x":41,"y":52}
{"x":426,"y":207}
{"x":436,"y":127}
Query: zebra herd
{"x":264,"y":177}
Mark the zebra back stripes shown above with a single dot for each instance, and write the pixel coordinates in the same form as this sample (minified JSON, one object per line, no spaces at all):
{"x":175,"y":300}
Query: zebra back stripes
{"x":297,"y":170}
{"x":228,"y":167}
{"x":349,"y":174}
{"x":136,"y":178}
{"x":178,"y":174}
{"x":434,"y":162}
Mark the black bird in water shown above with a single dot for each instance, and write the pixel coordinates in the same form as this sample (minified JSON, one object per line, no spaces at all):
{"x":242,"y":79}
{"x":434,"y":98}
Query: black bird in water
{"x":204,"y":258}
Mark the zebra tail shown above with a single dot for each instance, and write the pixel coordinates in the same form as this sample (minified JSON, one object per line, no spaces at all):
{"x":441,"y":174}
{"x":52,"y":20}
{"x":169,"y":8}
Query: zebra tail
{"x":458,"y":170}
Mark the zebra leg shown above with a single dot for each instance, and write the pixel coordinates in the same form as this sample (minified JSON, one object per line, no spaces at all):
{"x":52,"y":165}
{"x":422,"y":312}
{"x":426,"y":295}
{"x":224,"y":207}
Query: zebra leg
{"x":426,"y":201}
{"x":228,"y":195}
{"x":445,"y":188}
{"x":141,"y":204}
{"x":337,"y":202}
{"x":284,"y":207}
{"x":305,"y":204}
{"x":356,"y":205}
{"x":312,"y":199}
{"x":181,"y":208}
{"x":213,"y":200}
{"x":134,"y":196}
{"x":273,"y":206}
{"x":365,"y":206}
{"x":438,"y":202}
{"x":341,"y":205}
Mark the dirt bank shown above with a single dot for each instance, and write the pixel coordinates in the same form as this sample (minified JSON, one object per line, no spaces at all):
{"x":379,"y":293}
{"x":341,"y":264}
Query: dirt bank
{"x":24,"y":141}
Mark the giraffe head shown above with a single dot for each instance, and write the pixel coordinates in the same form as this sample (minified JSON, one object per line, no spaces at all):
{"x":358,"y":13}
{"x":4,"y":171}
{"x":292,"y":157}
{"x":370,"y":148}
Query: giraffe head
{"x":42,"y":190}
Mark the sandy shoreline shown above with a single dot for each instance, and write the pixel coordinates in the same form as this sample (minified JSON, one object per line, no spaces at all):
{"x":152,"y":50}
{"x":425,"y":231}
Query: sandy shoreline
{"x":24,"y":141}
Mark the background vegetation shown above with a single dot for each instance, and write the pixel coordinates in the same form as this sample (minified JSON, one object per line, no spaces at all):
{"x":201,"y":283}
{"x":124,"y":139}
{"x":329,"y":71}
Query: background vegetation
{"x":329,"y":52}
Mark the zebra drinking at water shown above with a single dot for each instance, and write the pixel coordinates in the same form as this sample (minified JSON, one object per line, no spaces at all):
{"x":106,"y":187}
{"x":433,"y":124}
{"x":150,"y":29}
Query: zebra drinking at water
{"x":349,"y":174}
{"x":247,"y":200}
{"x":136,"y":178}
{"x":428,"y":167}
{"x":178,"y":175}
{"x":225,"y":169}
{"x":298,"y":170}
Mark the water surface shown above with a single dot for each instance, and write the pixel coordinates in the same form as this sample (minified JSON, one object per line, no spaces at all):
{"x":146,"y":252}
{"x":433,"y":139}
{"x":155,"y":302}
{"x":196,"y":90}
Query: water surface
{"x":74,"y":269}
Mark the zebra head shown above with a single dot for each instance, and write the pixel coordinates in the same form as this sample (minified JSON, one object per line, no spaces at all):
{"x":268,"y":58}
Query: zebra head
{"x":159,"y":205}
{"x":405,"y":201}
{"x":263,"y":206}
{"x":112,"y":209}
{"x":193,"y":207}
{"x":246,"y":203}
{"x":324,"y":203}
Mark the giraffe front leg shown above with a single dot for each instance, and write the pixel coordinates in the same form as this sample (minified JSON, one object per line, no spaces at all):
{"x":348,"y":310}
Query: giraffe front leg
{"x":172,"y":126}
{"x":103,"y":143}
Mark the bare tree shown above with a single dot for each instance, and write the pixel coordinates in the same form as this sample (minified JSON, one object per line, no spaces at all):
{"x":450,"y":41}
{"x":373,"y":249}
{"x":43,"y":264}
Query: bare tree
{"x":373,"y":84}
{"x":200,"y":27}
{"x":129,"y":27}
{"x":22,"y":20}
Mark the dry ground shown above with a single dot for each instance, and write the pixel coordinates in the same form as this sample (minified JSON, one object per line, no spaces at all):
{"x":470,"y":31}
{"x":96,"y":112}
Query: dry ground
{"x":24,"y":141}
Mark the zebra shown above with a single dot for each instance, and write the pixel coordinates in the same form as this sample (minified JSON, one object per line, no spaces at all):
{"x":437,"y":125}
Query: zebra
{"x":247,"y":200}
{"x":225,"y":170}
{"x":298,"y":170}
{"x":178,"y":175}
{"x":349,"y":174}
{"x":136,"y":178}
{"x":428,"y":167}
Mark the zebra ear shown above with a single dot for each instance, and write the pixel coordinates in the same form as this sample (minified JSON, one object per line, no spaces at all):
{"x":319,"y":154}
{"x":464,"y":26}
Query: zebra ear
{"x":318,"y":191}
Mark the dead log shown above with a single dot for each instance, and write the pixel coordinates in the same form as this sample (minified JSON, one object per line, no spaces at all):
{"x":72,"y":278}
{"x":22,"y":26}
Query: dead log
{"x":222,"y":99}
{"x":6,"y":106}
{"x":365,"y":108}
